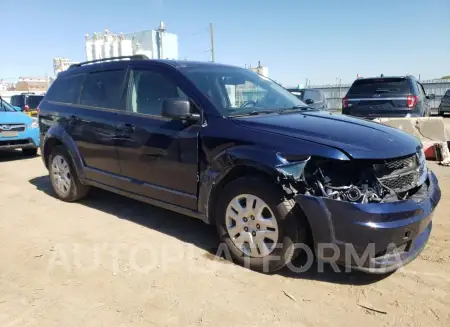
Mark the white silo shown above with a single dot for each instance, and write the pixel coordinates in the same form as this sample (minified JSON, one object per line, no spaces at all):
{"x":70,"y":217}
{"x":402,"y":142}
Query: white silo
{"x":106,"y":53}
{"x":115,"y":46}
{"x":98,"y":46}
{"x":125,"y":46}
{"x":88,"y":46}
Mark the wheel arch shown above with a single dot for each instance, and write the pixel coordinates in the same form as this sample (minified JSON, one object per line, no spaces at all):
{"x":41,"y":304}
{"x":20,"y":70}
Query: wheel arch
{"x":228,"y":166}
{"x":57,"y":136}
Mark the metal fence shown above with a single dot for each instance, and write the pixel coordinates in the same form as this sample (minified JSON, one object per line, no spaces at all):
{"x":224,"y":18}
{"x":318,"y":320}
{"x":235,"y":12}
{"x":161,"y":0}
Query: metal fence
{"x":335,"y":92}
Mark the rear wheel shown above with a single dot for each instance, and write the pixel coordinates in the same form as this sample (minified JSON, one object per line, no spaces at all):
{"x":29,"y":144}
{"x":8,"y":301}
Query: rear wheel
{"x":258,"y":224}
{"x":29,"y":152}
{"x":63,"y":176}
{"x":441,"y":113}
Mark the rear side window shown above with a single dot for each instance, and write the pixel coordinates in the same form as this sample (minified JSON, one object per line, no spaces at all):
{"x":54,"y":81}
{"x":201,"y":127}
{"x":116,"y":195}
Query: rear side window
{"x":65,"y":89}
{"x":104,"y":89}
{"x":371,"y":86}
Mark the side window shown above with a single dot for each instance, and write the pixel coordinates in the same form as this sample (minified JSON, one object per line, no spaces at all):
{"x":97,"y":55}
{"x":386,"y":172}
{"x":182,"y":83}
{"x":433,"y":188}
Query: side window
{"x":447,"y":93}
{"x":104,"y":89}
{"x":421,"y":90}
{"x":312,"y":95}
{"x":148,"y":89}
{"x":65,"y":90}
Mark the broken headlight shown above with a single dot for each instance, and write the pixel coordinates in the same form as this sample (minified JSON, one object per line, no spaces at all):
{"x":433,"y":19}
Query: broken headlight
{"x":293,"y":170}
{"x":351,"y":180}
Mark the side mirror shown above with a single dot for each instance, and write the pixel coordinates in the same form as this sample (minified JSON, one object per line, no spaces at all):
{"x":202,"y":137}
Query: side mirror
{"x":178,"y":109}
{"x":431,"y":96}
{"x":309,"y":101}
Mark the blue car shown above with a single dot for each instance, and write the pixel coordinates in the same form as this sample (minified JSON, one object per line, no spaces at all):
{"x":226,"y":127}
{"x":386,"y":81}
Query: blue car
{"x":18,"y":130}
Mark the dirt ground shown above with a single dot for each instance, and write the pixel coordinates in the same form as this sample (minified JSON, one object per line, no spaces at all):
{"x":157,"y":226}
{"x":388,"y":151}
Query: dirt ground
{"x":112,"y":261}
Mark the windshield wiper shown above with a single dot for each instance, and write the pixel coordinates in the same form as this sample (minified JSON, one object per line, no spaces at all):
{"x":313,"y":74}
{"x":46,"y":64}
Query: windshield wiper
{"x":295,"y":108}
{"x":253,"y":113}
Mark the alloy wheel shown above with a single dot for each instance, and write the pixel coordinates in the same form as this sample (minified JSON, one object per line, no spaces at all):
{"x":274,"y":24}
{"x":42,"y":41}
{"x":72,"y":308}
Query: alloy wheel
{"x":61,"y":174}
{"x":251,"y":225}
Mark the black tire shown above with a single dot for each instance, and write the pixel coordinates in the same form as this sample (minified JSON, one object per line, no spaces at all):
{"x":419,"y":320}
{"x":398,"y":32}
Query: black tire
{"x":30,"y":152}
{"x":76,"y":190}
{"x":442,"y":114}
{"x":292,"y":226}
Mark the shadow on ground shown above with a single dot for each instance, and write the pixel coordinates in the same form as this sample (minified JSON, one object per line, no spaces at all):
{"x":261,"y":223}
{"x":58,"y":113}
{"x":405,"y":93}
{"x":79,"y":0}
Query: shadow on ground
{"x":11,"y":155}
{"x":194,"y":231}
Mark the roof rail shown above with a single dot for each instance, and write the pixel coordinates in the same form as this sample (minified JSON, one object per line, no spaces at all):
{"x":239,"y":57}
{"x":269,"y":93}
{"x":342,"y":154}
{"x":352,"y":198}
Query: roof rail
{"x":141,"y":57}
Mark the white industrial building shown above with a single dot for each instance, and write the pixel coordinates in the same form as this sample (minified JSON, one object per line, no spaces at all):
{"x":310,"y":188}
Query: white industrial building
{"x":155,"y":44}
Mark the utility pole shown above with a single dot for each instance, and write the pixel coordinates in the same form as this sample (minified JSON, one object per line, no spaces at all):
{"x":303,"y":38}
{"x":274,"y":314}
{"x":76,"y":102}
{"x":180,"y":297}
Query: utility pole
{"x":212,"y":41}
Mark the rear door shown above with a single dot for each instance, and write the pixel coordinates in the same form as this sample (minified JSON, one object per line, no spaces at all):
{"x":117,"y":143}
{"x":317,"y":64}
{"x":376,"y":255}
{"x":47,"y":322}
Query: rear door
{"x":379,"y":97}
{"x":94,"y":123}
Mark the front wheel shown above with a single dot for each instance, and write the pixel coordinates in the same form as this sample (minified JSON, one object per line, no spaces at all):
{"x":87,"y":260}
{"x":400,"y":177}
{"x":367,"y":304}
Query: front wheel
{"x":63,"y":176}
{"x":258,"y":224}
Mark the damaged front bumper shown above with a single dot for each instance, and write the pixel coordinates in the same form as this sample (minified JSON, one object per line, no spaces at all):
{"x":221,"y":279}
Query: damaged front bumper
{"x":372,"y":237}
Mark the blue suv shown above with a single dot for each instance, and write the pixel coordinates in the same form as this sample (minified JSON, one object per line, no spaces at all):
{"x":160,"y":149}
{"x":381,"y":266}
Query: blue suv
{"x":236,"y":150}
{"x":18,"y":130}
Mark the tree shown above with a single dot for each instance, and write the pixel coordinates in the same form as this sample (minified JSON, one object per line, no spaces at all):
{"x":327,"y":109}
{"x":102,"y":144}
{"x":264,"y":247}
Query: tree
{"x":446,"y":77}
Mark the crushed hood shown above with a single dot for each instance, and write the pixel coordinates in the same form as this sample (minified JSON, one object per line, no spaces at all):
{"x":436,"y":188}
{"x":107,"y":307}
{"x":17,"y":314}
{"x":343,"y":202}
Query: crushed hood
{"x":359,"y":138}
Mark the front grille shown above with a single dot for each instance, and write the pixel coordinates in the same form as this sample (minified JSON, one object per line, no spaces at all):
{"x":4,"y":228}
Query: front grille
{"x":402,"y":174}
{"x":401,"y":183}
{"x":12,"y":127}
{"x":401,"y":163}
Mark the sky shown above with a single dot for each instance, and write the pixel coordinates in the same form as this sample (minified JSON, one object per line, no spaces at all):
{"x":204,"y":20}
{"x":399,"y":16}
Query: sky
{"x":323,"y":41}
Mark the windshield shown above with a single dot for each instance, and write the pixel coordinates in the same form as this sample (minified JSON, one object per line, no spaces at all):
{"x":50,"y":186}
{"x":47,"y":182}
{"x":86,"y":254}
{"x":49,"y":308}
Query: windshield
{"x":237,"y":91}
{"x":5,"y":106}
{"x":298,"y":93}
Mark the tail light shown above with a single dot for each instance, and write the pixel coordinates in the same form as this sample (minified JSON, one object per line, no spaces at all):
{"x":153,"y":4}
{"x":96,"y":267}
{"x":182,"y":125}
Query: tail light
{"x":27,"y":108}
{"x":345,"y":102}
{"x":412,"y":101}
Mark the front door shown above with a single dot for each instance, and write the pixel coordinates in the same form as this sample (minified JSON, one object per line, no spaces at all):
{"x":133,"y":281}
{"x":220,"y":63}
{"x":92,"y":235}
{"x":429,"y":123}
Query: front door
{"x":158,"y":156}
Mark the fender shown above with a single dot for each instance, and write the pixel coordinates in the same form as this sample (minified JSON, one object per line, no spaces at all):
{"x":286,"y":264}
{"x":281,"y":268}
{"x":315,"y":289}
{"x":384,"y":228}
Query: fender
{"x":58,"y":132}
{"x":243,"y":156}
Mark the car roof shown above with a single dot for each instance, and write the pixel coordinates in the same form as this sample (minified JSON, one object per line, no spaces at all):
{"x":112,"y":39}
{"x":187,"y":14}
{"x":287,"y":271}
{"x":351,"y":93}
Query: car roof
{"x":177,"y":64}
{"x":385,"y":77}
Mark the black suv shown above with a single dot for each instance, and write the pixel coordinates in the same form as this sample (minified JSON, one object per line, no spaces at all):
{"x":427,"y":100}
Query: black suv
{"x":312,"y":97}
{"x":236,"y":150}
{"x":387,"y":97}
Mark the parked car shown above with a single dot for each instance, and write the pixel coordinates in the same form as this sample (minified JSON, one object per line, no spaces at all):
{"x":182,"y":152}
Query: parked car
{"x":17,"y":130}
{"x":444,"y":107}
{"x":269,"y":173}
{"x":27,"y":102}
{"x":313,"y":98}
{"x":387,"y":97}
